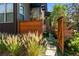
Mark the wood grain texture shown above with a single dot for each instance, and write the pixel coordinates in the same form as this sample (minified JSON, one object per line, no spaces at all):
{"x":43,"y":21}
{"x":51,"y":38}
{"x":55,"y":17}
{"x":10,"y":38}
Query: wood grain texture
{"x":30,"y":26}
{"x":61,"y":34}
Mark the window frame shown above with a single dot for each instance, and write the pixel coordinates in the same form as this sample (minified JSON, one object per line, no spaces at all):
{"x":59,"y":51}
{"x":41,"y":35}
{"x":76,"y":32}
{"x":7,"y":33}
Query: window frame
{"x":5,"y":14}
{"x":36,"y":13}
{"x":21,"y":6}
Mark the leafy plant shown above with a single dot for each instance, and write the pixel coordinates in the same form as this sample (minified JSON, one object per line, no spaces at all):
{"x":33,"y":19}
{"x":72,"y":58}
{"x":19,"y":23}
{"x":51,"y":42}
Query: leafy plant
{"x":57,"y":11}
{"x":72,"y":45}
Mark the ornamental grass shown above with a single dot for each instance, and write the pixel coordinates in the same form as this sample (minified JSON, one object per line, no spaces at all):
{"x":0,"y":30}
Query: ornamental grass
{"x":31,"y":44}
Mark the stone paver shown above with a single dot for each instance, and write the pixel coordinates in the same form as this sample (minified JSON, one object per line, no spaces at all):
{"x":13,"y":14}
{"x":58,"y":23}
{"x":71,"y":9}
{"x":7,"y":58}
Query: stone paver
{"x":51,"y":51}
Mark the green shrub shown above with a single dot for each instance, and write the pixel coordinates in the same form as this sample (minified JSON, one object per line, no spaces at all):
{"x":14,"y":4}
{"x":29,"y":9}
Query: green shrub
{"x":72,"y":45}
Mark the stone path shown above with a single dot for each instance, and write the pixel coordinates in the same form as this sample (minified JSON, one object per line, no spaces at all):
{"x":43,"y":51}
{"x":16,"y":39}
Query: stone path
{"x":51,"y":51}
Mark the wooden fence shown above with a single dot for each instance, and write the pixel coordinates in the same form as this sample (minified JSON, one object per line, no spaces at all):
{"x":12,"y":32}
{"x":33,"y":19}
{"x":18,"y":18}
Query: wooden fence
{"x":30,"y":26}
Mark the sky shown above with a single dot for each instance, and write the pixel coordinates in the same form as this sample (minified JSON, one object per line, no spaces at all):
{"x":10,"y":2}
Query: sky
{"x":50,"y":6}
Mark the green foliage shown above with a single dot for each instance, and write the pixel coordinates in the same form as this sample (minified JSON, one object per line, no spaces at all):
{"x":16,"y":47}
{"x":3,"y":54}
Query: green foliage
{"x":31,"y":43}
{"x":35,"y":44}
{"x":73,"y":13}
{"x":72,"y":45}
{"x":2,"y":46}
{"x":12,"y":44}
{"x":58,"y":52}
{"x":35,"y":49}
{"x":58,"y":11}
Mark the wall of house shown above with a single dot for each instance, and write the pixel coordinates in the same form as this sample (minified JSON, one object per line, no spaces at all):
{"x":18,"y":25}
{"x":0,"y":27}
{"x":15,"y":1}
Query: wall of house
{"x":14,"y":26}
{"x":26,"y":11}
{"x":8,"y":27}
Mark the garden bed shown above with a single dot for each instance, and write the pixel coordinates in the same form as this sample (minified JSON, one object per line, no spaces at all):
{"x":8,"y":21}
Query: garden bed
{"x":31,"y":44}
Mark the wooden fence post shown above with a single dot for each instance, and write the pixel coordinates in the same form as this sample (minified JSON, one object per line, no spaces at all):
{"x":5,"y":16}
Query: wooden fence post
{"x":60,"y":40}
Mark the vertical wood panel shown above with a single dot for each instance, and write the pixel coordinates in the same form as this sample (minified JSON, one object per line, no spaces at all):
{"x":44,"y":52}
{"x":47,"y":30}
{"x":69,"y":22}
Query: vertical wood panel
{"x":61,"y":34}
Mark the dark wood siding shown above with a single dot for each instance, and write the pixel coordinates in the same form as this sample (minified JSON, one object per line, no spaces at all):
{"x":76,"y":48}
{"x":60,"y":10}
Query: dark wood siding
{"x":7,"y":27}
{"x":35,"y":5}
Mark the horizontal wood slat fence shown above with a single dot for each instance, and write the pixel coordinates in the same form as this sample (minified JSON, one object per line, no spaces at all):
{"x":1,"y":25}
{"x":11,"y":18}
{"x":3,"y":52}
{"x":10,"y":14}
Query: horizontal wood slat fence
{"x":30,"y":26}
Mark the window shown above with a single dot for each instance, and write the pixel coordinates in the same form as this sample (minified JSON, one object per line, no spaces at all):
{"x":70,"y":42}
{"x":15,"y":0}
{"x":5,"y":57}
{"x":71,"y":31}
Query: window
{"x":6,"y":12}
{"x":35,"y":13}
{"x":2,"y":11}
{"x":21,"y":12}
{"x":9,"y":12}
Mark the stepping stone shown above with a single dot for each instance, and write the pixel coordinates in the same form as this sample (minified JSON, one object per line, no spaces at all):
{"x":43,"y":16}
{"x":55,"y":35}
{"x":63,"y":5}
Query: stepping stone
{"x":51,"y":51}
